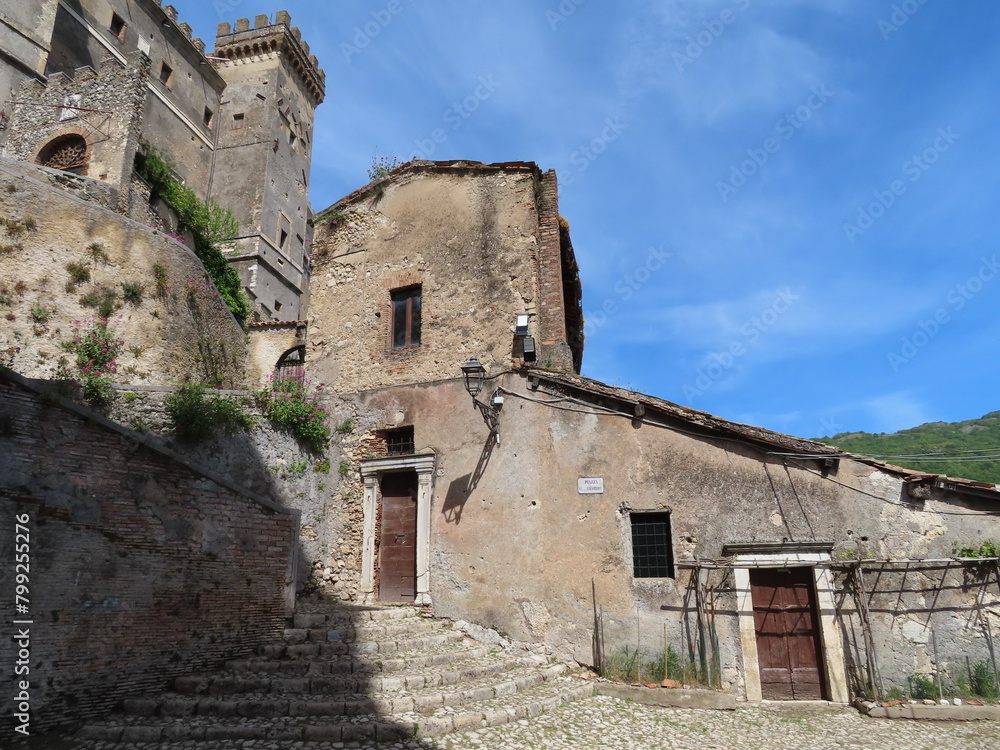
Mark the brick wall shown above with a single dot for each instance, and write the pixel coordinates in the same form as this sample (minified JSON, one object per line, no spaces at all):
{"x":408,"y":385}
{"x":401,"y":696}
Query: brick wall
{"x":142,"y":566}
{"x":553,"y":351}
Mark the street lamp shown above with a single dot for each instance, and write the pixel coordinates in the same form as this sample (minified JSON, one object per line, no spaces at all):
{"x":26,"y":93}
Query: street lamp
{"x":474,"y":374}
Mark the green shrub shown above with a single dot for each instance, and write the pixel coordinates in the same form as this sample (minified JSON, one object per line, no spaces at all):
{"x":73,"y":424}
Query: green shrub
{"x":104,"y":299}
{"x":78,"y":272}
{"x":924,"y":688}
{"x":132,"y":292}
{"x":195,"y":414}
{"x":984,"y":681}
{"x":98,"y":253}
{"x":344,"y":469}
{"x":288,"y":403}
{"x":346,"y":426}
{"x":41,"y":314}
{"x":322,"y":466}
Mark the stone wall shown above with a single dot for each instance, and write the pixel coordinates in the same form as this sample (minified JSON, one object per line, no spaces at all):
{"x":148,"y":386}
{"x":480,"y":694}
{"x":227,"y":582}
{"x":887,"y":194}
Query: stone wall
{"x":469,"y":234}
{"x":24,"y":40}
{"x":142,"y":566}
{"x":268,"y":460}
{"x":178,"y":326}
{"x":113,"y":93}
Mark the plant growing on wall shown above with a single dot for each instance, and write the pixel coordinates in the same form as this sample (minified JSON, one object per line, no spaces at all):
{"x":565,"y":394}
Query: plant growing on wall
{"x":211,"y":225}
{"x":195,"y":414}
{"x":289,"y":404}
{"x":97,"y":349}
{"x":381,"y":166}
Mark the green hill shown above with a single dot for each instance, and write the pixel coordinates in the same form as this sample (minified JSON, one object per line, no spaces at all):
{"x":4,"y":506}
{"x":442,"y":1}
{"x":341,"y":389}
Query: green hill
{"x":962,"y":440}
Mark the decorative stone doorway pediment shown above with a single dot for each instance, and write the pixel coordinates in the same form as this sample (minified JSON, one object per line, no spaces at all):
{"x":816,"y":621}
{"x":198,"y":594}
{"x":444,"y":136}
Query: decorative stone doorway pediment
{"x":372,"y":471}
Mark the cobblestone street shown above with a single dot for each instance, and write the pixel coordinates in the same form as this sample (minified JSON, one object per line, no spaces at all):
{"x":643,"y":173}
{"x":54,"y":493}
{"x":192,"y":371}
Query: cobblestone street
{"x":603,"y":722}
{"x":614,"y":724}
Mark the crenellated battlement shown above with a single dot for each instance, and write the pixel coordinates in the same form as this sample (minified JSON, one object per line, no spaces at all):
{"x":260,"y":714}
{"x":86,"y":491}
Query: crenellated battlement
{"x":267,"y":38}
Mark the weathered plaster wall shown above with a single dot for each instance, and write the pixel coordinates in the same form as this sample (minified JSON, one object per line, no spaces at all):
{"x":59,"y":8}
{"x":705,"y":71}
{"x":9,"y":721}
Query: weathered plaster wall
{"x":183,"y":329}
{"x":468,"y":234}
{"x":140,"y":567}
{"x":515,"y":547}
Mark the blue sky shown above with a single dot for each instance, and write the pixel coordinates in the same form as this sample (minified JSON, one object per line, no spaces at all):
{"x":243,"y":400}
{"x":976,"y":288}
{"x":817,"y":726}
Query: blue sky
{"x":785,"y":211}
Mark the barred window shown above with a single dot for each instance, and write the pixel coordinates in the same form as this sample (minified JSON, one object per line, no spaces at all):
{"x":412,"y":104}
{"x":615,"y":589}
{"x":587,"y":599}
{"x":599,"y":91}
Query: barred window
{"x":652,"y":551}
{"x":399,"y":442}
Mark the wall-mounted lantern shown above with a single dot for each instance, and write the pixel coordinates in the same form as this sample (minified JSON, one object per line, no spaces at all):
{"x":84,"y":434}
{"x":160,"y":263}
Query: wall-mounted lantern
{"x":475,"y":374}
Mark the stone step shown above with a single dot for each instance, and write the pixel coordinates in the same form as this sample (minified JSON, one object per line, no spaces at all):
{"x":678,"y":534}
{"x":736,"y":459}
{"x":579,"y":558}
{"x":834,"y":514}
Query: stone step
{"x":341,"y":664}
{"x":493,"y":711}
{"x":345,"y":697}
{"x":233,"y":683}
{"x":348,"y":633}
{"x":313,"y":649}
{"x":341,"y":615}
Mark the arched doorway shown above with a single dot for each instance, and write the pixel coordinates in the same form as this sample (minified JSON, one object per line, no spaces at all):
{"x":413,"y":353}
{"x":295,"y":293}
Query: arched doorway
{"x":67,"y":152}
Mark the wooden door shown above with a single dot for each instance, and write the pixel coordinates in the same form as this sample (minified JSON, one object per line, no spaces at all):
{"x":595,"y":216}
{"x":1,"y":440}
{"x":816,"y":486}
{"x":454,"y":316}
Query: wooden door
{"x":788,"y":644}
{"x":398,"y":541}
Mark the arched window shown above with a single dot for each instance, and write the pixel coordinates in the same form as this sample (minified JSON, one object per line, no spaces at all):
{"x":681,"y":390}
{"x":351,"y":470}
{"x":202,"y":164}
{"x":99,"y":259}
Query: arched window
{"x":291,"y":365}
{"x":67,"y":152}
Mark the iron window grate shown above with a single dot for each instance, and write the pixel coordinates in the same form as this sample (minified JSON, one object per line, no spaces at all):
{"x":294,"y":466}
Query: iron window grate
{"x":652,"y":553}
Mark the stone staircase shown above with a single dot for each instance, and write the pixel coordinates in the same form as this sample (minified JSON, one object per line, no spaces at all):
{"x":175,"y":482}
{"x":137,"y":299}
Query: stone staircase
{"x":350,"y":674}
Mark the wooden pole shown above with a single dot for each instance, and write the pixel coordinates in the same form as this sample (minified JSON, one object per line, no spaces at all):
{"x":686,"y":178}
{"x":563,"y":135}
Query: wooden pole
{"x":872,"y":657}
{"x":666,"y":648}
{"x":937,"y":665}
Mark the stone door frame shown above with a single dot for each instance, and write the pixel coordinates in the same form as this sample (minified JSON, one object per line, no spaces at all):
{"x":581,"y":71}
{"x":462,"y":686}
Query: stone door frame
{"x":372,"y":471}
{"x":814,"y":555}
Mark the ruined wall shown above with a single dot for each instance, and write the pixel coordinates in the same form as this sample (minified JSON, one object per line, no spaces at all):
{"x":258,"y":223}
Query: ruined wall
{"x":177,"y":326}
{"x":115,"y":92}
{"x":268,"y":341}
{"x":514,"y":546}
{"x":141,"y":566}
{"x":467,"y":233}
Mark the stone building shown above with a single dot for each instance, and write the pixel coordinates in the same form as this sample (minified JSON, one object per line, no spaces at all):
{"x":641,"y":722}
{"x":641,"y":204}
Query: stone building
{"x":100,"y":79}
{"x":603,"y":522}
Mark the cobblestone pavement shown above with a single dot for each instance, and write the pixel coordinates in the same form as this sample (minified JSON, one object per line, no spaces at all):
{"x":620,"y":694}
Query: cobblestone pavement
{"x":612,"y":724}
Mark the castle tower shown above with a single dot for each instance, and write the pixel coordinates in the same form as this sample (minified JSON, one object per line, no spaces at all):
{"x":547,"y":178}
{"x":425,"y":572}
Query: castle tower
{"x":273,"y":86}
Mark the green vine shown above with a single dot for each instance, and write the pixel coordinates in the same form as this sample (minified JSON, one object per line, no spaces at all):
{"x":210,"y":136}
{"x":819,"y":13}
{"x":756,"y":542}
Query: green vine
{"x":211,"y":225}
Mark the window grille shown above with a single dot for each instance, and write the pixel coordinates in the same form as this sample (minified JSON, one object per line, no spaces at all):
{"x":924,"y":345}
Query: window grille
{"x":652,"y":553}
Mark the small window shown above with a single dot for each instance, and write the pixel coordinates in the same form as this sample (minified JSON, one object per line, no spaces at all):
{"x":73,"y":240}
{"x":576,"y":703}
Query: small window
{"x":117,"y":27}
{"x":165,"y":73}
{"x":405,"y":317}
{"x":284,"y":228}
{"x":277,"y":306}
{"x":238,"y":121}
{"x":207,"y":118}
{"x":652,"y":553}
{"x":399,"y":442}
